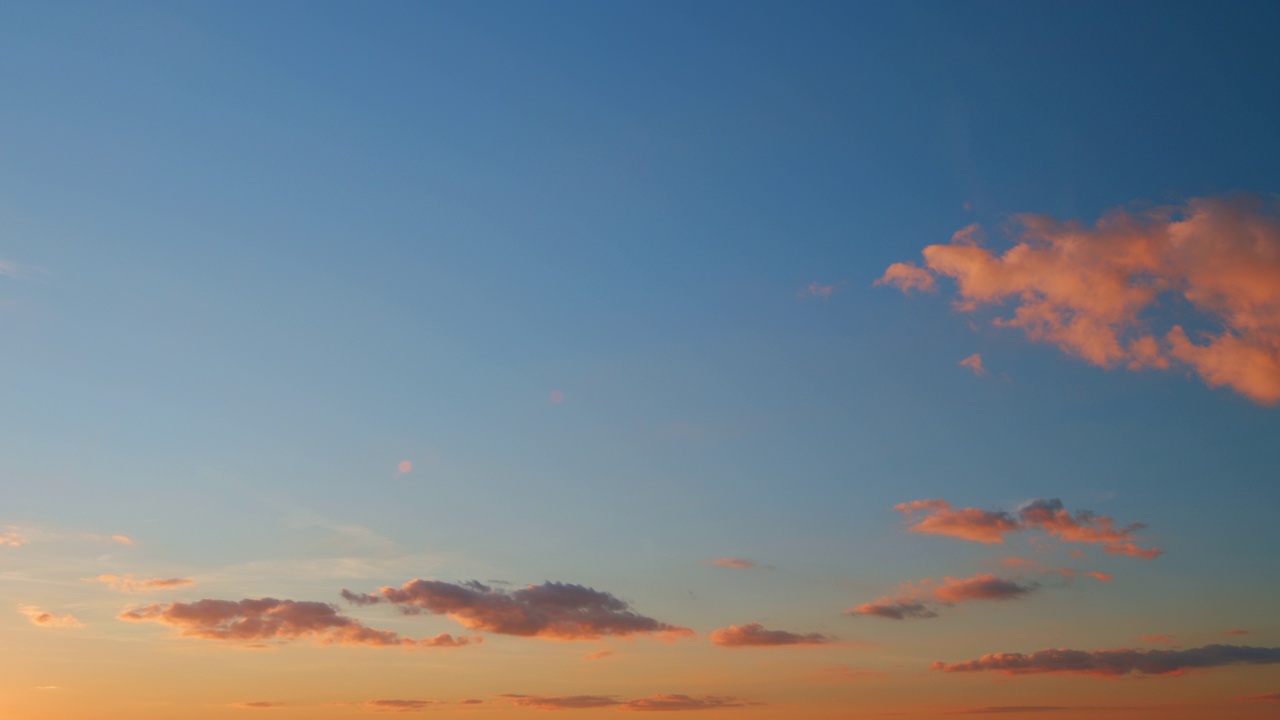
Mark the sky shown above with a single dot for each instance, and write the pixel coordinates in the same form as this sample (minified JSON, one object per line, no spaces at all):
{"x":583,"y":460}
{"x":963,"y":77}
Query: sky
{"x":750,"y":360}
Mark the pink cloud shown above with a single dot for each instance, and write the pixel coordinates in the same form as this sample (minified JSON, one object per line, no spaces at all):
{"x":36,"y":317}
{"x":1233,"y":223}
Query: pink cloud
{"x":12,"y":538}
{"x":130,"y":584}
{"x":557,"y":397}
{"x":1090,"y":290}
{"x":559,"y":611}
{"x":1017,"y":562}
{"x":122,"y":539}
{"x":1268,"y":697}
{"x":44,"y":618}
{"x":755,"y":635}
{"x":979,"y":587}
{"x":974,"y":363}
{"x":817,"y":290}
{"x":984,"y":526}
{"x":404,"y":467}
{"x":735,"y":563}
{"x":919,"y":600}
{"x":257,"y":620}
{"x":1099,"y":576}
{"x":1115,"y":663}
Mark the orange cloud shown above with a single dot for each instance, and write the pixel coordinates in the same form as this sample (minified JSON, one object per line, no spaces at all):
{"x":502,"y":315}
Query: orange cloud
{"x":44,"y":618}
{"x":598,"y":655}
{"x":755,"y":635}
{"x":122,"y":539}
{"x":559,"y":611}
{"x":1236,"y":632}
{"x":1115,"y":663}
{"x":979,"y":587}
{"x":256,"y":705}
{"x":400,"y":705}
{"x":256,"y":620}
{"x":736,"y":563}
{"x":11,"y":538}
{"x":679,"y":703}
{"x":918,"y":600}
{"x":1268,"y":697}
{"x":1099,"y":576}
{"x":974,"y":363}
{"x":1090,"y":290}
{"x":129,"y":584}
{"x":938,"y":517}
{"x":563,"y":702}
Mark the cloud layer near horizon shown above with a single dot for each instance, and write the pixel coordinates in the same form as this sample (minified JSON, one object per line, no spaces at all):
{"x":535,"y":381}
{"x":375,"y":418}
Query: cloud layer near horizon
{"x":1092,"y":291}
{"x":1114,"y":663}
{"x":262,"y":619}
{"x":560,"y":611}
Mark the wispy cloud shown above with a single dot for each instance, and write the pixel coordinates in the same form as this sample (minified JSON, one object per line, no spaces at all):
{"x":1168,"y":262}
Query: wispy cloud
{"x":1090,"y":290}
{"x":974,"y":363}
{"x":400,"y":705}
{"x":263,"y":619}
{"x":12,"y":538}
{"x":919,"y":600}
{"x":1267,"y":697}
{"x":256,"y":705}
{"x":562,"y":702}
{"x":755,"y":635}
{"x":654,"y":703}
{"x":130,"y":584}
{"x":44,"y":618}
{"x":1115,"y":663}
{"x":735,"y":563}
{"x":816,"y":289}
{"x":559,"y":611}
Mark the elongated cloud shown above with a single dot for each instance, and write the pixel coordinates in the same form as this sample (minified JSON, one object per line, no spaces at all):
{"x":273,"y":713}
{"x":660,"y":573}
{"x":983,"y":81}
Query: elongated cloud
{"x":258,"y":620}
{"x":1092,"y":291}
{"x":939,"y":517}
{"x":559,"y":611}
{"x":755,"y":635}
{"x":130,"y":584}
{"x":1114,"y":663}
{"x":654,"y":703}
{"x":256,"y":705}
{"x":563,"y":702}
{"x":400,"y":705}
{"x":44,"y":618}
{"x":919,"y":600}
{"x":735,"y":563}
{"x":1267,"y":697}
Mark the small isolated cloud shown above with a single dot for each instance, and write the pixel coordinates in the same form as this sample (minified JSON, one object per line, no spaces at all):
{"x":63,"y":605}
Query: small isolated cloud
{"x":557,"y":397}
{"x":680,"y":703}
{"x":130,"y":584}
{"x":562,"y":702}
{"x":122,"y":539}
{"x":735,"y":563}
{"x":256,"y":705}
{"x":1098,"y":575}
{"x":974,"y":363}
{"x":755,"y":635}
{"x":1097,"y":292}
{"x":1237,"y":631}
{"x":400,"y":705}
{"x":1115,"y":663}
{"x":816,"y":289}
{"x":263,"y":619}
{"x":44,"y":618}
{"x":559,"y":611}
{"x":598,"y":655}
{"x":919,"y":600}
{"x":404,"y":467}
{"x":12,"y":538}
{"x":1268,"y":697}
{"x":939,"y":517}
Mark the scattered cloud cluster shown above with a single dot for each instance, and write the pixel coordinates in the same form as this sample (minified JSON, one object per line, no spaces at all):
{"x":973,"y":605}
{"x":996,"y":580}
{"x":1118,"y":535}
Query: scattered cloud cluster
{"x":44,"y":618}
{"x":264,"y":619}
{"x":655,"y":703}
{"x":920,"y":600}
{"x":1092,"y":291}
{"x":755,"y":635}
{"x":130,"y":584}
{"x":559,"y":611}
{"x":939,"y":517}
{"x":1115,"y":663}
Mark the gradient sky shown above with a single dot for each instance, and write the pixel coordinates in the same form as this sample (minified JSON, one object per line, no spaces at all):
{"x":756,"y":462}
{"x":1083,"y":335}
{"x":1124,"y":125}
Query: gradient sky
{"x":763,"y":361}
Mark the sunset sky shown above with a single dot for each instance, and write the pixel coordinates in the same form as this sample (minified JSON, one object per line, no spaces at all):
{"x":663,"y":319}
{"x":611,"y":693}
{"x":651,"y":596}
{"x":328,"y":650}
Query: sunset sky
{"x":774,"y":361}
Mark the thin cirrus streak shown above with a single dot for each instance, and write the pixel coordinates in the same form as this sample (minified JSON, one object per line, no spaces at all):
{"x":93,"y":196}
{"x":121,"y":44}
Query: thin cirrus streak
{"x":756,"y":635}
{"x":939,"y":517}
{"x":920,"y":600}
{"x":559,"y":611}
{"x":130,"y":584}
{"x":44,"y":618}
{"x":1088,"y":290}
{"x":1115,"y":663}
{"x":257,"y":620}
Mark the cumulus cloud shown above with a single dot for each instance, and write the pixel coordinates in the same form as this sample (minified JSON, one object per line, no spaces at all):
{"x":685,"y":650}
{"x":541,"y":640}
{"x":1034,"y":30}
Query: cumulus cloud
{"x":130,"y":584}
{"x":554,"y":610}
{"x":735,"y":563}
{"x":919,"y":600}
{"x":1115,"y":663}
{"x":939,"y":517}
{"x":974,"y":363}
{"x":44,"y":618}
{"x":258,"y":620}
{"x":1094,"y":291}
{"x":755,"y":635}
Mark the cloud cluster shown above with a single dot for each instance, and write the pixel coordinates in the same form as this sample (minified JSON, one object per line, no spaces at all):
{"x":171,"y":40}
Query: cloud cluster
{"x":44,"y":618}
{"x":654,"y":703}
{"x":262,"y":619}
{"x":559,"y":611}
{"x":1115,"y":663}
{"x":130,"y":584}
{"x":755,"y":635}
{"x":1092,"y":291}
{"x":920,"y":600}
{"x":939,"y":517}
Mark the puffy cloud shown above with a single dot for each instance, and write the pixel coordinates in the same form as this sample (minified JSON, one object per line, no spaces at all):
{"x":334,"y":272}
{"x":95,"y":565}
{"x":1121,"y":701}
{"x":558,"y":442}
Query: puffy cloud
{"x":12,"y":538}
{"x":257,"y":620}
{"x":44,"y":618}
{"x":559,"y":611}
{"x":1115,"y":663}
{"x":1091,"y":291}
{"x":918,"y":600}
{"x":130,"y":584}
{"x":735,"y":563}
{"x":939,"y":517}
{"x":974,"y":363}
{"x":755,"y":635}
{"x":679,"y":703}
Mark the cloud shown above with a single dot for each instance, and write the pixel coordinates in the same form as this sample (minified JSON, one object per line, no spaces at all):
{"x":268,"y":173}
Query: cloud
{"x":735,"y":563}
{"x":598,"y":655}
{"x":559,"y":611}
{"x":122,"y":539}
{"x":404,"y":467}
{"x":679,"y":703}
{"x":44,"y":618}
{"x":974,"y":363}
{"x":939,"y":517}
{"x":563,"y":702}
{"x":844,"y":672}
{"x":917,"y":600}
{"x":1001,"y":709}
{"x":1099,"y":576}
{"x":400,"y":705}
{"x":257,"y":620}
{"x":129,"y":584}
{"x":256,"y":705}
{"x":12,"y":538}
{"x":1236,"y":632}
{"x":1115,"y":663}
{"x":1268,"y":697}
{"x":755,"y":635}
{"x":1093,"y":291}
{"x":1157,"y":639}
{"x":817,"y":290}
